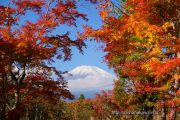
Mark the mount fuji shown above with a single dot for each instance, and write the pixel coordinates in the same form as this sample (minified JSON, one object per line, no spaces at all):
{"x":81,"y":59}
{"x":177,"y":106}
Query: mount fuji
{"x":88,"y":80}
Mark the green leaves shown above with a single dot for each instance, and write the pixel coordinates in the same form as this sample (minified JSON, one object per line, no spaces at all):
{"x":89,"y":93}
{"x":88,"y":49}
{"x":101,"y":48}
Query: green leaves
{"x":136,"y":38}
{"x":134,"y":56}
{"x":117,"y":59}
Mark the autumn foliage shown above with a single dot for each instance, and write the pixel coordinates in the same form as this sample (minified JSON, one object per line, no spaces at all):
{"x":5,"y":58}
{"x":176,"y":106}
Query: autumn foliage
{"x":142,"y":43}
{"x":28,"y":48}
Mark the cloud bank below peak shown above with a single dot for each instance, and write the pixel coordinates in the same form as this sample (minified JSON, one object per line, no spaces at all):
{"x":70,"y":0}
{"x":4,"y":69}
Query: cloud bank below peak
{"x":89,"y":78}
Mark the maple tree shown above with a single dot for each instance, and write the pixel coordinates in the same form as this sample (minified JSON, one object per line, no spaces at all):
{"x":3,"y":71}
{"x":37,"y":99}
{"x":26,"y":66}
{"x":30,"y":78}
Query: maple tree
{"x":142,"y":43}
{"x":40,"y":108}
{"x":104,"y":106}
{"x":81,"y":109}
{"x":98,"y":108}
{"x":28,"y":48}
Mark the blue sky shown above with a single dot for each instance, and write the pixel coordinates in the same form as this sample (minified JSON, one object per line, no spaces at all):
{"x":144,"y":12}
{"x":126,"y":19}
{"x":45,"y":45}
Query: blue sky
{"x":92,"y":54}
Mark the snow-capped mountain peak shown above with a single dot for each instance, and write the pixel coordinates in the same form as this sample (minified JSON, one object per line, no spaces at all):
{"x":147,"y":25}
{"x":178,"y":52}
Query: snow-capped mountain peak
{"x":85,"y":71}
{"x":87,"y":78}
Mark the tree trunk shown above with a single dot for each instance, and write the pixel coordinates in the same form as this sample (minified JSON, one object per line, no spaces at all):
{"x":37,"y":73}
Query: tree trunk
{"x":164,"y":113}
{"x":172,"y":114}
{"x":149,"y":111}
{"x":4,"y":96}
{"x":18,"y":82}
{"x":36,"y":110}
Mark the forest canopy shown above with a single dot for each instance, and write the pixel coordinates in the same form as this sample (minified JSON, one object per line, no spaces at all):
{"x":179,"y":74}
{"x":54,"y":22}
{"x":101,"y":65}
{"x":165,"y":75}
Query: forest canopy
{"x":142,"y":45}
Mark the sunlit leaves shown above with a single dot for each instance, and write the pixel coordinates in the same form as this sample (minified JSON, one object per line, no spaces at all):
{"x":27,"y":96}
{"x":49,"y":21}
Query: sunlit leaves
{"x":28,"y":49}
{"x":142,"y":45}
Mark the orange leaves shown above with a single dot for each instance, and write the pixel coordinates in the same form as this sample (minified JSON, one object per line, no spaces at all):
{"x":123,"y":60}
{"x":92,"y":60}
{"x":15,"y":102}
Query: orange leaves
{"x":29,"y":45}
{"x":132,"y":69}
{"x":42,"y":86}
{"x":66,"y":12}
{"x":151,"y":89}
{"x":32,"y":40}
{"x":142,"y":45}
{"x":28,"y":4}
{"x":6,"y":15}
{"x":178,"y":93}
{"x":131,"y":35}
{"x":167,"y":67}
{"x":174,"y":102}
{"x":21,"y":45}
{"x":103,"y":104}
{"x":105,"y":10}
{"x":103,"y":14}
{"x":139,"y":5}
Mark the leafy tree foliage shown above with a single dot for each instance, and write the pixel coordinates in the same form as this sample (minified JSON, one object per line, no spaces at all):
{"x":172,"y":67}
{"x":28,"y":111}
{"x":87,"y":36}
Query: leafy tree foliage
{"x":27,"y":51}
{"x":98,"y":108}
{"x":142,"y":43}
{"x":81,"y":109}
{"x":104,"y":106}
{"x":81,"y":97}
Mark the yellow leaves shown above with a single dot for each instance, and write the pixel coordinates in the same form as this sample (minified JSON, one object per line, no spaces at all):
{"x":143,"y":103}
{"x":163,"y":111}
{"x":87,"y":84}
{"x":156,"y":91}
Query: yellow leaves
{"x":170,"y":36}
{"x":21,"y":44}
{"x":154,"y":59}
{"x":155,"y":51}
{"x":147,"y":65}
{"x":176,"y":76}
{"x":176,"y":100}
{"x":105,"y":11}
{"x":103,"y":14}
{"x":166,"y":25}
{"x":115,"y":37}
{"x":164,"y":88}
{"x":149,"y":35}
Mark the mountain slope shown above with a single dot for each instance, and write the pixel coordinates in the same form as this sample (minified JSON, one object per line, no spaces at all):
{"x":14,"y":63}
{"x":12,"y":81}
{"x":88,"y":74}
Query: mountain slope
{"x":89,"y":78}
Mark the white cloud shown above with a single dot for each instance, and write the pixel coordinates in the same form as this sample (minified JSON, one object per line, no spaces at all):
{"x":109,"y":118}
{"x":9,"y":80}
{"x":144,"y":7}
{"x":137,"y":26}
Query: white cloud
{"x":89,"y":78}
